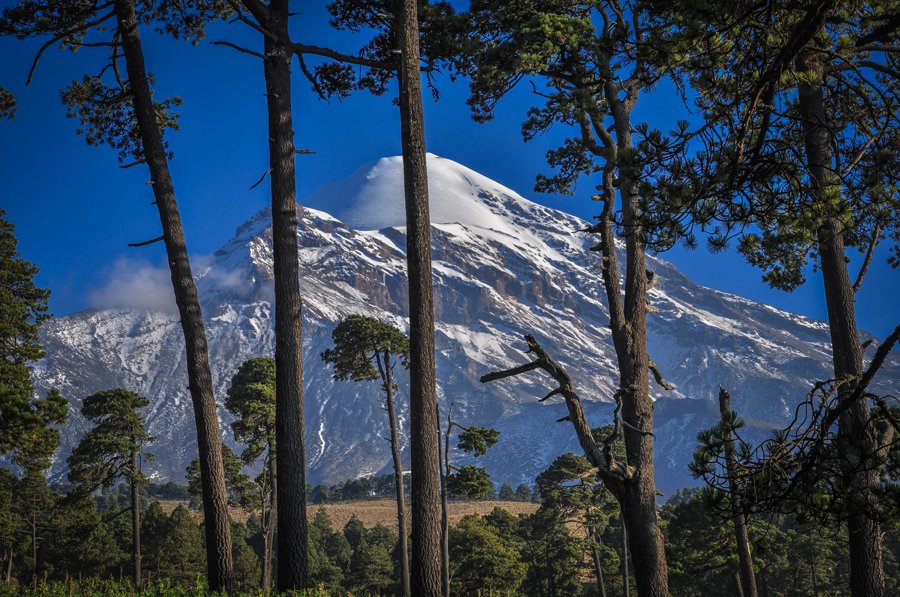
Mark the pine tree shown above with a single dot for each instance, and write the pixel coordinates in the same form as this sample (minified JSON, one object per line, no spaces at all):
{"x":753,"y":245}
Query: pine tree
{"x":366,"y":349}
{"x":469,"y":481}
{"x":112,"y":449}
{"x":26,"y":422}
{"x":124,"y":115}
{"x":242,"y":492}
{"x":251,"y":399}
{"x":798,"y":149}
{"x":592,"y":61}
{"x":483,"y":559}
{"x":523,"y":493}
{"x":426,"y":512}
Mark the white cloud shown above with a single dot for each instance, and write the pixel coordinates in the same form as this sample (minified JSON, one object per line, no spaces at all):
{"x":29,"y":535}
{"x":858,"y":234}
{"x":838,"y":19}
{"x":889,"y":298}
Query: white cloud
{"x":132,"y":284}
{"x":204,"y":268}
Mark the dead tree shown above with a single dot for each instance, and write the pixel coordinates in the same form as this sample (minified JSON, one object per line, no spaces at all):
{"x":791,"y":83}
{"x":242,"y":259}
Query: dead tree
{"x":614,"y":475}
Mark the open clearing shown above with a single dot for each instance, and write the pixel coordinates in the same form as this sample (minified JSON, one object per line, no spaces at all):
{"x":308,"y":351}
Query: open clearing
{"x":373,"y":512}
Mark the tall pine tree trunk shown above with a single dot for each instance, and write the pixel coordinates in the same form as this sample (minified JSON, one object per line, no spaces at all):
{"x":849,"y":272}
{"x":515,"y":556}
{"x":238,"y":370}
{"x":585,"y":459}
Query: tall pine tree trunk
{"x":628,"y":320}
{"x":595,"y":558}
{"x":398,"y":477}
{"x":293,"y":558}
{"x":856,"y":439}
{"x":212,"y":472}
{"x":626,"y":577}
{"x":426,"y":518}
{"x":444,"y":468}
{"x":135,"y":522}
{"x":741,"y":535}
{"x":268,"y":548}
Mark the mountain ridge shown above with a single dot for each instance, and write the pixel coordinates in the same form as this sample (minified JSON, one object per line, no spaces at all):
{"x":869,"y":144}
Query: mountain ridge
{"x":523,"y":269}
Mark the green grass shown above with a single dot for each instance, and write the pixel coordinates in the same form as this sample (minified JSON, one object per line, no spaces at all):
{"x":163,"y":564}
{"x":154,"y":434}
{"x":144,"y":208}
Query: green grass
{"x":95,"y":587}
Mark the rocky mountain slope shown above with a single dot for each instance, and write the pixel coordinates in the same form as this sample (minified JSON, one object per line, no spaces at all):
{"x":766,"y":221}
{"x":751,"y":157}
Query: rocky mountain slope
{"x":504,"y":266}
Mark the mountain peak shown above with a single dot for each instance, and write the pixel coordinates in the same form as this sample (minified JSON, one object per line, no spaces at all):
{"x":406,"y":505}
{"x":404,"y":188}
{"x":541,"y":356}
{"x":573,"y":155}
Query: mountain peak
{"x":372,"y":197}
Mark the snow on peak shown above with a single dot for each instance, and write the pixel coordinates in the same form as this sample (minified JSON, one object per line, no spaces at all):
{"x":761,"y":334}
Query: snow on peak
{"x":372,"y":198}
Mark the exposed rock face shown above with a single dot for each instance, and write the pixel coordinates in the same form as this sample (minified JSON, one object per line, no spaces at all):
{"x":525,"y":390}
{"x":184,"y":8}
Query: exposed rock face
{"x":503,"y":266}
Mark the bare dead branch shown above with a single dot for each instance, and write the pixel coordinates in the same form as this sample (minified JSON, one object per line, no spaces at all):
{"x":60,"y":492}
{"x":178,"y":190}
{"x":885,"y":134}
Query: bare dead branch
{"x":61,"y":36}
{"x":147,"y":242}
{"x":867,"y":261}
{"x":132,"y":164}
{"x":301,"y":49}
{"x":240,"y":49}
{"x":660,"y":381}
{"x":261,"y":178}
{"x":613,"y":475}
{"x":551,"y":394}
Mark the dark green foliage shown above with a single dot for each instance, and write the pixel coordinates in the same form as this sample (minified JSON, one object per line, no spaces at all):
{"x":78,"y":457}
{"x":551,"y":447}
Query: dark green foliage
{"x":789,"y":558}
{"x":523,"y":493}
{"x":105,"y":452}
{"x":506,"y":493}
{"x":26,"y":423}
{"x":106,"y":116}
{"x":749,"y":175}
{"x":361,"y":488}
{"x":699,"y":545}
{"x":570,"y":492}
{"x":246,"y":563}
{"x":477,"y":440}
{"x":359,"y":343}
{"x":329,"y":552}
{"x":173,"y":545}
{"x":555,"y":557}
{"x":251,"y":399}
{"x":441,"y":32}
{"x":483,"y":559}
{"x":370,"y":568}
{"x":242,"y":491}
{"x":567,"y":485}
{"x":7,"y":103}
{"x":469,"y":481}
{"x":168,"y":491}
{"x":82,"y":543}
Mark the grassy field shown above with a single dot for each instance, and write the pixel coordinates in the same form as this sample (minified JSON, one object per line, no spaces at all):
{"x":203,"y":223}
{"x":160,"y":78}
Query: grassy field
{"x":384,"y":512}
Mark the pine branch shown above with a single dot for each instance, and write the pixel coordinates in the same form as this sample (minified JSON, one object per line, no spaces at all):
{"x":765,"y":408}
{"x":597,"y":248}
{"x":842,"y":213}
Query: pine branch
{"x":612,"y":474}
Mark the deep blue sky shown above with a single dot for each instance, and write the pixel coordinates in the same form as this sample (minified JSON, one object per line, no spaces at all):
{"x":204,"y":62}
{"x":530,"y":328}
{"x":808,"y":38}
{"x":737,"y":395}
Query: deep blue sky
{"x":75,"y":211}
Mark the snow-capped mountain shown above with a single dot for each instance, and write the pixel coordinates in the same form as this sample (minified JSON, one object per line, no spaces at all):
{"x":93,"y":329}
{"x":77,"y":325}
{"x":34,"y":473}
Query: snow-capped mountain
{"x":503,"y":266}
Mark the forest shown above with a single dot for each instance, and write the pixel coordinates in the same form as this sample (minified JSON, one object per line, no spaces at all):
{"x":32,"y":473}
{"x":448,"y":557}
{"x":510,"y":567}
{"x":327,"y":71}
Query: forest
{"x":792,"y":155}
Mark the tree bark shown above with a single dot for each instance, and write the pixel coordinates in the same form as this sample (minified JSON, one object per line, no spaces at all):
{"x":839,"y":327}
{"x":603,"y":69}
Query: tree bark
{"x":135,"y":523}
{"x":630,"y":340}
{"x":293,"y":558}
{"x":426,"y":519}
{"x":444,"y":467}
{"x":856,"y":437}
{"x":398,"y":476}
{"x":626,"y":578}
{"x":269,"y":546}
{"x":741,"y":536}
{"x":738,"y":585}
{"x":212,"y":472}
{"x":595,"y":556}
